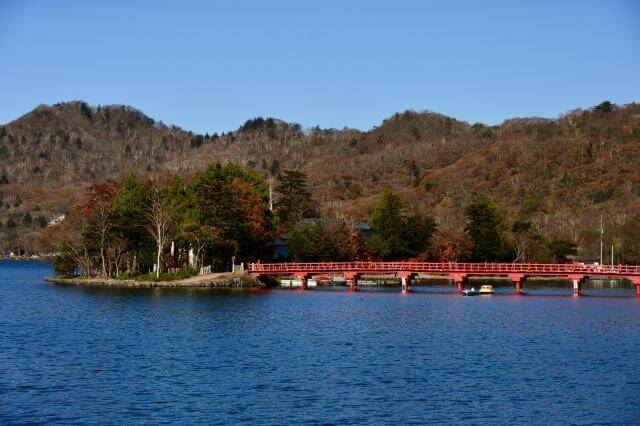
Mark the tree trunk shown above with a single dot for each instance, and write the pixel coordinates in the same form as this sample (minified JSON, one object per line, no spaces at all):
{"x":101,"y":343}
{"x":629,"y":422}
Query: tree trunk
{"x":104,"y":267}
{"x":158,"y":264}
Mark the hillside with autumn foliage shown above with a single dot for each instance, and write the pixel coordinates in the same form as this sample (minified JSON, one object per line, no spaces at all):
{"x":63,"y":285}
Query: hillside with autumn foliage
{"x":550,"y":178}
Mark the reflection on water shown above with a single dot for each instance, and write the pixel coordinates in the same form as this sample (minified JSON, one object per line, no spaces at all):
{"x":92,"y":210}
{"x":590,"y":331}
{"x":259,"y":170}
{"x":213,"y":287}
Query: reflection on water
{"x":80,"y":355}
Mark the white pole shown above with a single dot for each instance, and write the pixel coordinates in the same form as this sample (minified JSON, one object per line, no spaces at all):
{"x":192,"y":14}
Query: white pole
{"x":270,"y":195}
{"x":612,"y":254}
{"x":601,"y":242}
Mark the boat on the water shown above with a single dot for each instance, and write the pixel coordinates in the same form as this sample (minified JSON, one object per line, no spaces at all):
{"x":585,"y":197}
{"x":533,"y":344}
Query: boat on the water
{"x":486,"y":289}
{"x":470,"y":292}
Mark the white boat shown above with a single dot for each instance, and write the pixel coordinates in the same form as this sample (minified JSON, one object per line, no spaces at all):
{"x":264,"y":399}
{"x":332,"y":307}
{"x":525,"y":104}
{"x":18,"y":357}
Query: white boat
{"x":486,"y":289}
{"x":470,"y":292}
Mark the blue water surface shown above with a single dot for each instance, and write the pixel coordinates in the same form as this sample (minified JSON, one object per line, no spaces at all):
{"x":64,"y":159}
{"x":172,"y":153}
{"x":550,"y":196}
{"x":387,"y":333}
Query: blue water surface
{"x":138,"y":356}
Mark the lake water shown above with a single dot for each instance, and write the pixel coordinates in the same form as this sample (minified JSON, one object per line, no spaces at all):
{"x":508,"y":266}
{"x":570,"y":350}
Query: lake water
{"x":91,"y":355}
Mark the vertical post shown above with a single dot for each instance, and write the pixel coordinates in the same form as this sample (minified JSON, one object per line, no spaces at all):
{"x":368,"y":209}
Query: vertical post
{"x":601,"y":239}
{"x":517,"y":280}
{"x":577,"y":281}
{"x":406,"y":279}
{"x":304,"y":280}
{"x":352,"y":280}
{"x":460,"y":281}
{"x":638,"y":289}
{"x":577,"y":288}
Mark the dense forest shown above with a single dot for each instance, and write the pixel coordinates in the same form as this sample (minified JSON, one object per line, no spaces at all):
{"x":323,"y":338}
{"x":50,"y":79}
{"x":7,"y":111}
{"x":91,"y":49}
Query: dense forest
{"x":550,"y":180}
{"x":156,"y":228}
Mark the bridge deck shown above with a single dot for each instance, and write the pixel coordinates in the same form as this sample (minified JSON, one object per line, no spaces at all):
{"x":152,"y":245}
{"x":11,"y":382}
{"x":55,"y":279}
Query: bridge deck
{"x":530,"y":269}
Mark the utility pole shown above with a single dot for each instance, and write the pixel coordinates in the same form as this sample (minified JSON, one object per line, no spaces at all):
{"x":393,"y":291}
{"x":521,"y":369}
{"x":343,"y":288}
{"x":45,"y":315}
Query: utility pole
{"x":601,"y":236}
{"x":611,"y":254}
{"x":270,"y":195}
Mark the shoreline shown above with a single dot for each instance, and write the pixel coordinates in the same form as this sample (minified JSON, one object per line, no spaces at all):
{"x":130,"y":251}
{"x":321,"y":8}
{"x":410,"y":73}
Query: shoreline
{"x":203,"y":281}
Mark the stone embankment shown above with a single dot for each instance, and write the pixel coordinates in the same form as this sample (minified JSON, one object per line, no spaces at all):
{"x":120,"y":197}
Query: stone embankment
{"x":218,"y":280}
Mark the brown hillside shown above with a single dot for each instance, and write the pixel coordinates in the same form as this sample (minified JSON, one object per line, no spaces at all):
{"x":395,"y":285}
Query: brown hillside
{"x":559,"y":174}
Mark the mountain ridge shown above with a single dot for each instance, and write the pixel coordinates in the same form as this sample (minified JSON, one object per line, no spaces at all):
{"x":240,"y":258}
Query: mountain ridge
{"x":539,"y":169}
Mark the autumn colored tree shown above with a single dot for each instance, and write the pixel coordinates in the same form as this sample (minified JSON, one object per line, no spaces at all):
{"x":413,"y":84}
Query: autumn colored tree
{"x":233,"y":200}
{"x":451,"y":246}
{"x":352,"y":243}
{"x":256,"y":214}
{"x":99,"y":211}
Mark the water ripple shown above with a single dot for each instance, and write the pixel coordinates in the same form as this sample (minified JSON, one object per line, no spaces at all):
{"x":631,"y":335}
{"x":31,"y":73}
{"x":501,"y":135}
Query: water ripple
{"x":109,"y":356}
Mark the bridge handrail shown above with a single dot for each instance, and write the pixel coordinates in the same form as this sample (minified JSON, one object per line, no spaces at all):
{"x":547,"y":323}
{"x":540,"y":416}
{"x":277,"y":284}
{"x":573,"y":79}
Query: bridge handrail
{"x":460,"y":267}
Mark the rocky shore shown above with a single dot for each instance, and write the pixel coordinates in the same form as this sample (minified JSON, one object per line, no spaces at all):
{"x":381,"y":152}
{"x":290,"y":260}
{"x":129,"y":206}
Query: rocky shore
{"x":202,"y":281}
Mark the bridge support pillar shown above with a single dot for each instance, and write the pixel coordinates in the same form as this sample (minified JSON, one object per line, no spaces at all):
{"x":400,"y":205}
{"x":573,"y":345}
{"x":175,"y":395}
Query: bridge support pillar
{"x":518,"y":280}
{"x":460,"y":281}
{"x":577,"y":281}
{"x":407,"y":280}
{"x":352,"y":280}
{"x":304,"y":280}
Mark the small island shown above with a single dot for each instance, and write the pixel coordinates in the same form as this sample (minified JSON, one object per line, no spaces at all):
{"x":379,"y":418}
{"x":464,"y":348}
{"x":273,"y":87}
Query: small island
{"x":214,"y":280}
{"x":155,"y":231}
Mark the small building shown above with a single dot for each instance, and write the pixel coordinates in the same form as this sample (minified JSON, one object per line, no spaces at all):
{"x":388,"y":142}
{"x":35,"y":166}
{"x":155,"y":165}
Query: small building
{"x":56,"y":220}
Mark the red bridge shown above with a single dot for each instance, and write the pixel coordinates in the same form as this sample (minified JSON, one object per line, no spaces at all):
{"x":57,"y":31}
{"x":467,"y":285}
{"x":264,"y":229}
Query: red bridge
{"x":458,"y":272}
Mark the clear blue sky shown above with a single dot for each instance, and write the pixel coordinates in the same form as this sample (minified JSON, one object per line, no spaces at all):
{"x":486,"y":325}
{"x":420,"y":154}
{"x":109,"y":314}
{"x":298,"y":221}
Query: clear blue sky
{"x":208,"y":66}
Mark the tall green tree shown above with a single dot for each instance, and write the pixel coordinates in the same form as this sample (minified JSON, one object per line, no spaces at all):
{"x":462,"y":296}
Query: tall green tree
{"x":418,"y":232}
{"x":130,"y":219}
{"x":312,"y":242}
{"x":388,"y":225}
{"x":232,"y":199}
{"x":27,"y":219}
{"x":294,"y":199}
{"x":397,"y":236}
{"x":604,"y":107}
{"x":560,"y":249}
{"x":486,"y":229}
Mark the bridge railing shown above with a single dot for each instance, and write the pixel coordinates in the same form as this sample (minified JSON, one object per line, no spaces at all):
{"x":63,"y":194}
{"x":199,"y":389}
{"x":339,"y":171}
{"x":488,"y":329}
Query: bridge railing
{"x":444,"y":267}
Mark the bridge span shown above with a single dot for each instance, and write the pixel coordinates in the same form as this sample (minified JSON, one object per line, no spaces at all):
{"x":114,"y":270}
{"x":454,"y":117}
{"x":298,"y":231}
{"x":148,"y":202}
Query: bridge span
{"x":458,"y":272}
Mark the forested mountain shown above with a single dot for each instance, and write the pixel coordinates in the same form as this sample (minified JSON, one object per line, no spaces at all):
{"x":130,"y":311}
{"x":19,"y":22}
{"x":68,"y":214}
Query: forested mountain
{"x":554,"y":175}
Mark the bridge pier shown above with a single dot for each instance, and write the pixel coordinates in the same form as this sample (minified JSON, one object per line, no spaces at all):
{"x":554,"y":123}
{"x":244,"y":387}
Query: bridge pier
{"x":304,"y":279}
{"x":518,"y":280}
{"x":577,"y":284}
{"x":352,"y":280}
{"x":460,"y":281}
{"x":406,"y":279}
